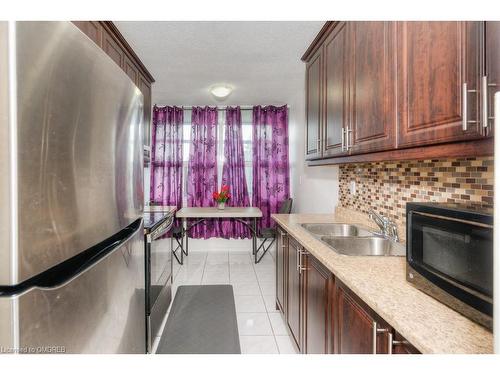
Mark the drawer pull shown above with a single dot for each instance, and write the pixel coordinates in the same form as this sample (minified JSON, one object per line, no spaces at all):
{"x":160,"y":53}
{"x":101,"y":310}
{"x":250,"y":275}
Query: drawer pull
{"x":465,"y":121}
{"x":375,"y":332}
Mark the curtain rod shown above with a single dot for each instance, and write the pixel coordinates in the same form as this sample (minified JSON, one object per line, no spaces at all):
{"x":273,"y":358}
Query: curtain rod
{"x":220,"y":107}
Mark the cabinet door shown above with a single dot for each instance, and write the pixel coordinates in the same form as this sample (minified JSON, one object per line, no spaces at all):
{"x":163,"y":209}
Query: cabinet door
{"x":336,"y":91}
{"x":313,"y":106}
{"x":373,"y":86}
{"x":401,"y":346}
{"x":492,"y":76}
{"x":435,"y":60}
{"x":293,"y":300}
{"x":92,"y":29}
{"x":281,"y":257}
{"x":357,"y":331}
{"x":112,"y":49}
{"x":145,"y":88}
{"x":131,"y":69}
{"x":317,"y":292}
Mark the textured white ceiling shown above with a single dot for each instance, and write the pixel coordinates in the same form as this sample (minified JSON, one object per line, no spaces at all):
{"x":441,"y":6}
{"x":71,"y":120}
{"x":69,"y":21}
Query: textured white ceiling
{"x":260,"y":60}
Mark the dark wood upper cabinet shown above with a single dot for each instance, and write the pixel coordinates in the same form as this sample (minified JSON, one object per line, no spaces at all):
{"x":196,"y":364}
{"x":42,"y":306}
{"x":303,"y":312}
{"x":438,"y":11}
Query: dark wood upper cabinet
{"x":400,"y":90}
{"x":318,"y":282}
{"x":113,"y":49}
{"x":491,"y":83}
{"x":145,"y":87}
{"x":314,"y":96}
{"x":108,"y":37}
{"x":372,"y":86}
{"x":293,"y":299}
{"x":131,"y":69}
{"x":336,"y":92}
{"x":438,"y":73}
{"x":357,"y":330}
{"x":281,"y":258}
{"x":92,"y":29}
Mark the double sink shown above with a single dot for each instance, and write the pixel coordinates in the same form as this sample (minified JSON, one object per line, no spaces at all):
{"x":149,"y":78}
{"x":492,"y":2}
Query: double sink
{"x":350,"y":239}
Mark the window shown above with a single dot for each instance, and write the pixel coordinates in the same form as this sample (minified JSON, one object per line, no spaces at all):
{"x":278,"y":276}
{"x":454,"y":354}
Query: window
{"x":246,"y":121}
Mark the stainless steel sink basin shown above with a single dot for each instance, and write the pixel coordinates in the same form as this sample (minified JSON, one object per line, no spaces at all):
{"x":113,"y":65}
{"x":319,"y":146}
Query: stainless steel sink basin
{"x":365,"y":246}
{"x":337,"y":229}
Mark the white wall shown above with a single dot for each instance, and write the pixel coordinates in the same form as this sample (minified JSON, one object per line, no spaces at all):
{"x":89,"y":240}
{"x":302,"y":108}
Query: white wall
{"x":313,"y":189}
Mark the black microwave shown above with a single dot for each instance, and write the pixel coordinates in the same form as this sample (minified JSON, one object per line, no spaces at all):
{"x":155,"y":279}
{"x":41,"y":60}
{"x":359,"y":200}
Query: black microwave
{"x":449,"y":252}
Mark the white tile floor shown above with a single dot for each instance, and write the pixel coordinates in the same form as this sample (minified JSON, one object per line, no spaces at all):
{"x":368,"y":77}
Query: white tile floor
{"x":261,"y":327}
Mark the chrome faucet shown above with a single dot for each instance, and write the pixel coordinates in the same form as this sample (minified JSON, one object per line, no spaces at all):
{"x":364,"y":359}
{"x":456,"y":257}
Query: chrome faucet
{"x":387,"y":227}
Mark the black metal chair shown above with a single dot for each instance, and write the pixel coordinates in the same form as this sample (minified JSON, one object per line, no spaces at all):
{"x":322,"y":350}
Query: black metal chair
{"x":178,"y":236}
{"x":269,"y":234}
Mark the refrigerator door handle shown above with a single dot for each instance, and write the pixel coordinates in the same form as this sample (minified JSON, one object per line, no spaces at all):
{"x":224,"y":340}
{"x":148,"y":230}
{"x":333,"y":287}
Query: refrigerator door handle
{"x":70,"y":269}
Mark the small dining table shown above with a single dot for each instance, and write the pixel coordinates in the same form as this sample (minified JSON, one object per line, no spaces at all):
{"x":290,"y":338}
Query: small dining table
{"x":245,"y":215}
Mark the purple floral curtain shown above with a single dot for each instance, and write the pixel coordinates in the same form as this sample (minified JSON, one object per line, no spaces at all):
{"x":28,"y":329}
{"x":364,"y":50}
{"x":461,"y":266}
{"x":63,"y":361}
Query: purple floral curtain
{"x":233,"y":173}
{"x":271,"y":174}
{"x":202,"y":168}
{"x":166,"y":156}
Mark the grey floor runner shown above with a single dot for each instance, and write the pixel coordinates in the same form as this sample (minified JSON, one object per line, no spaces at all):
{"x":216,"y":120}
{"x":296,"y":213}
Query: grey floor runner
{"x":202,"y":320}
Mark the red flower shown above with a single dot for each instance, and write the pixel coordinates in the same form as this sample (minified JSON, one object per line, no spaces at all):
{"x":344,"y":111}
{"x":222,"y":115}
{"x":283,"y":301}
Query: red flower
{"x":225,"y":188}
{"x":215,"y":195}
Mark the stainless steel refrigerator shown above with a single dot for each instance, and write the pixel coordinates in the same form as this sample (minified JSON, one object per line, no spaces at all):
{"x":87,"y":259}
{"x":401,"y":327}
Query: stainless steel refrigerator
{"x":71,"y":195}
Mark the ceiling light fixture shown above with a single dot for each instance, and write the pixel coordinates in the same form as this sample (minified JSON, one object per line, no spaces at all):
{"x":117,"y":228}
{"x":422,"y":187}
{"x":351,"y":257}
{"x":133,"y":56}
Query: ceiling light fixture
{"x":221,"y":92}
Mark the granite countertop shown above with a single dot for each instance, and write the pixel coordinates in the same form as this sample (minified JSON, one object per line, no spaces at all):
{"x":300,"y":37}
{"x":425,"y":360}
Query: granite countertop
{"x":381,"y":283}
{"x":154,"y":215}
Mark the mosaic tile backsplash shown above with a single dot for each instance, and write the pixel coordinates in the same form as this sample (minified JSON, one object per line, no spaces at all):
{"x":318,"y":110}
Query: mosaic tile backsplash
{"x":387,"y":186}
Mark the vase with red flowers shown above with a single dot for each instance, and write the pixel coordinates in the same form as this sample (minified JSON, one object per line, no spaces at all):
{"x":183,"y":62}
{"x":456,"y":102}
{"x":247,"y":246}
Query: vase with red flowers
{"x":222,"y":197}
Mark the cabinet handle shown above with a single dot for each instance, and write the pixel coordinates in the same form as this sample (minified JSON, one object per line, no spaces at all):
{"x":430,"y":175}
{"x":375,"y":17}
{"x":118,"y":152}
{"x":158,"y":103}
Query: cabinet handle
{"x":465,"y":121}
{"x":393,"y":343}
{"x":464,"y":106}
{"x":348,"y":132}
{"x":497,"y":109}
{"x":319,"y":145}
{"x":282,"y":235}
{"x":343,"y":142}
{"x":484,"y":100}
{"x":301,"y":266}
{"x":299,"y":263}
{"x":375,"y":332}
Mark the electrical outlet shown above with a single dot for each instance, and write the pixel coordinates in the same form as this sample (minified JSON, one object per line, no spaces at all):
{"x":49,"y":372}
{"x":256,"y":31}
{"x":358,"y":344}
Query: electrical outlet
{"x":352,"y":187}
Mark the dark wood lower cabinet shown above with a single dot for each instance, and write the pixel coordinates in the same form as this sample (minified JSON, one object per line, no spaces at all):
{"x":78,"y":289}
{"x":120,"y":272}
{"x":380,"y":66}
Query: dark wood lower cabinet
{"x":322,"y":314}
{"x":401,"y":346}
{"x":354,"y":327}
{"x":357,"y":330}
{"x":318,"y":288}
{"x":281,"y":258}
{"x":294,"y":293}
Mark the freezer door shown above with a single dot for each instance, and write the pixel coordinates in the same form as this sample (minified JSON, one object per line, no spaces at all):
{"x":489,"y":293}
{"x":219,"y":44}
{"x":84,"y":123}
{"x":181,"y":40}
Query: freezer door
{"x":75,"y":142}
{"x":100,"y":310}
